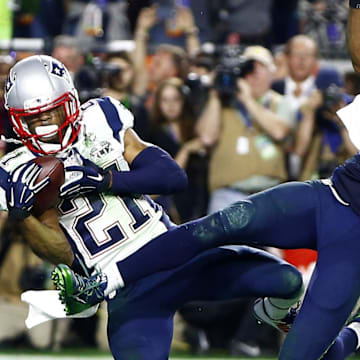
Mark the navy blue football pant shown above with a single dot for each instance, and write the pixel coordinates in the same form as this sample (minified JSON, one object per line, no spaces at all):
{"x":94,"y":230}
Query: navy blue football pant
{"x":141,"y":315}
{"x":292,"y":215}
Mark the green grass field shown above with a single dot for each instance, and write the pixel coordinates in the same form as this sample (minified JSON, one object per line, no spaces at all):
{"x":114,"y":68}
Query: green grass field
{"x":97,"y":355}
{"x":54,"y":357}
{"x":80,"y":356}
{"x":93,"y":354}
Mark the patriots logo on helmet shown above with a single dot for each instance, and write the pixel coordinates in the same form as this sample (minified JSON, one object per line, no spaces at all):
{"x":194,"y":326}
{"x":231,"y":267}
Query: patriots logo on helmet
{"x":58,"y":69}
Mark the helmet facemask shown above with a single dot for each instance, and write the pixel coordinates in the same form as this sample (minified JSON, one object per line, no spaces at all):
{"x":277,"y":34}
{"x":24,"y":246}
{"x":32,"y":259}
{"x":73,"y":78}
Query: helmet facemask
{"x":67,"y":131}
{"x":36,"y":85}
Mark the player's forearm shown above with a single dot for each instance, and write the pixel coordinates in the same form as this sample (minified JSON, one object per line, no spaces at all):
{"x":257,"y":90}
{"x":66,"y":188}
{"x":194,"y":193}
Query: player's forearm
{"x":353,"y":39}
{"x":153,"y":172}
{"x":47,"y":242}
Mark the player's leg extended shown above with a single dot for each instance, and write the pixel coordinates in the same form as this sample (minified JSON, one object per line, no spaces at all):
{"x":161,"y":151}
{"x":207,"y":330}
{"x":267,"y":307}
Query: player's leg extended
{"x":231,"y":272}
{"x":348,"y":341}
{"x":331,"y":295}
{"x":138,"y":314}
{"x":256,"y":273}
{"x":139,"y":330}
{"x":284,"y":217}
{"x":344,"y":345}
{"x":334,"y":287}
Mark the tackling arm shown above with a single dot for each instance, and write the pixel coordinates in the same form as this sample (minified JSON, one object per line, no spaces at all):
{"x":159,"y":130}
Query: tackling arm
{"x":353,"y":31}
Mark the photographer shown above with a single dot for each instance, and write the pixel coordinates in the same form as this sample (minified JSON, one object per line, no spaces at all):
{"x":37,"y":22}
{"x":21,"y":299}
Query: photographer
{"x":246,"y":125}
{"x":121,"y":85}
{"x":247,"y":132}
{"x":114,"y":76}
{"x":322,"y":141}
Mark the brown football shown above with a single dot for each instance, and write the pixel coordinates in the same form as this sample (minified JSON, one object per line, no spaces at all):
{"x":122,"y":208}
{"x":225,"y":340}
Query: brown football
{"x":49,"y":195}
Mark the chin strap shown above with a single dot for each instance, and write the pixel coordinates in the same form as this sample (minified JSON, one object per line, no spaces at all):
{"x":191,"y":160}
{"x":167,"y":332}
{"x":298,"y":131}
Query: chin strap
{"x":10,"y":140}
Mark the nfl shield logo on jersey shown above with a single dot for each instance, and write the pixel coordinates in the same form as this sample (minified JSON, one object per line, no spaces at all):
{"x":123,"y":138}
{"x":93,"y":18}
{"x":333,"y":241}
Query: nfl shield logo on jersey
{"x":100,"y":150}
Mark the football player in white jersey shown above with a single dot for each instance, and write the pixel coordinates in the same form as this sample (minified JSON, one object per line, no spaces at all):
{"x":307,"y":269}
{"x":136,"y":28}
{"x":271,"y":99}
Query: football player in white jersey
{"x":103,"y":219}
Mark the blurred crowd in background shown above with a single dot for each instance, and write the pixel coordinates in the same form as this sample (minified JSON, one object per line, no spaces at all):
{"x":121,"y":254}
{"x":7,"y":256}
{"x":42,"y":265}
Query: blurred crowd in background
{"x":243,"y":94}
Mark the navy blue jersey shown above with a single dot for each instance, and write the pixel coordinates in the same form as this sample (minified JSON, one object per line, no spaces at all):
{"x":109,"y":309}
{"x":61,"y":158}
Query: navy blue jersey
{"x":289,"y":216}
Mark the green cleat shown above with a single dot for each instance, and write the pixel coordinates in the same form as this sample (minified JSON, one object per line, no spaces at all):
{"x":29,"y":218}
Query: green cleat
{"x":78,"y":292}
{"x":354,"y":316}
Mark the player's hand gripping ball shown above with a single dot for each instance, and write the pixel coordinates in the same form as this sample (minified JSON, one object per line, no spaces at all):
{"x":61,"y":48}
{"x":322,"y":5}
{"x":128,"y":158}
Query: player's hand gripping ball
{"x":48,"y":197}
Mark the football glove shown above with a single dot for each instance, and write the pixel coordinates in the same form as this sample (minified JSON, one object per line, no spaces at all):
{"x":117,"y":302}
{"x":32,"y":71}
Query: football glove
{"x":21,"y":190}
{"x":91,"y":178}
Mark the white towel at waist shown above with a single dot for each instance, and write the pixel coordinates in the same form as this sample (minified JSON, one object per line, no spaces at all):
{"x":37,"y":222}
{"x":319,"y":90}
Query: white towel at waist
{"x":44,"y":305}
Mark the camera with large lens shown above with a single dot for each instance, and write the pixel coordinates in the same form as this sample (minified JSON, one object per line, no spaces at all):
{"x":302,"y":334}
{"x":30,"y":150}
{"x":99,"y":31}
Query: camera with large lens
{"x":332,"y":96}
{"x":92,"y":77}
{"x":325,"y":115}
{"x":232,"y":65}
{"x":198,"y":89}
{"x":226,"y":81}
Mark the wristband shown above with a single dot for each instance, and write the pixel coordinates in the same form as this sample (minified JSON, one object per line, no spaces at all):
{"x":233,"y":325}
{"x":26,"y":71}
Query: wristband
{"x":355,"y":4}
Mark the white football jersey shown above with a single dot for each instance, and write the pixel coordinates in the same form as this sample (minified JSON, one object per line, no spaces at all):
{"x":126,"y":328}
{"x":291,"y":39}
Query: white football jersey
{"x":101,"y":228}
